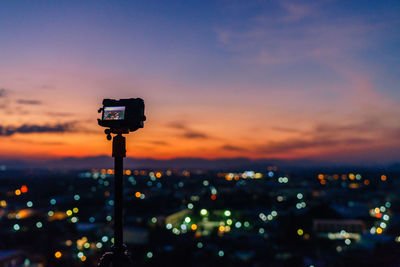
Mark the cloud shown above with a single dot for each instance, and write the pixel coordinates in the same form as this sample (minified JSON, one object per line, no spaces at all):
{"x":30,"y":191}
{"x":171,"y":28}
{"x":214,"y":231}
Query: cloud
{"x":3,"y":92}
{"x":190,"y":134}
{"x":4,"y":98}
{"x":187,"y":132}
{"x":29,"y":102}
{"x":233,"y":148}
{"x":295,"y":144}
{"x":295,"y":11}
{"x":363,"y":133}
{"x":59,"y":114}
{"x":177,"y":125}
{"x":159,"y":143}
{"x":33,"y":128}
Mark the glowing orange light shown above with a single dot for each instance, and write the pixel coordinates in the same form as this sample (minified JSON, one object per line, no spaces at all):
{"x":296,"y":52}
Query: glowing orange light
{"x":383,"y":177}
{"x":103,"y":171}
{"x":323,"y":182}
{"x":17,"y":192}
{"x":128,"y":172}
{"x":83,"y":258}
{"x":110,"y":171}
{"x":320,"y":176}
{"x":221,"y":228}
{"x":58,"y":254}
{"x":24,"y":189}
{"x":354,"y":185}
{"x":379,"y":231}
{"x":352,"y":176}
{"x":378,"y":215}
{"x":193,"y":227}
{"x":213,"y":197}
{"x":138,"y":194}
{"x":158,"y":175}
{"x":366,"y":182}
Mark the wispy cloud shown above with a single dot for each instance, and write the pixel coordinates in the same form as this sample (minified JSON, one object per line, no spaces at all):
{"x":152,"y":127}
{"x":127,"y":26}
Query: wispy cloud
{"x":296,"y":11}
{"x":187,"y":132}
{"x":29,"y":102}
{"x":296,"y":144}
{"x":3,"y":92}
{"x":33,"y":128}
{"x":190,"y":134}
{"x":233,"y":148}
{"x":328,"y":136}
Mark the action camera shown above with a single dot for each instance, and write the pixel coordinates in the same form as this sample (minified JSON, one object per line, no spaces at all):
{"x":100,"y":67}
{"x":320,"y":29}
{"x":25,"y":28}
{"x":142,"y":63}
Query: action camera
{"x":122,"y":114}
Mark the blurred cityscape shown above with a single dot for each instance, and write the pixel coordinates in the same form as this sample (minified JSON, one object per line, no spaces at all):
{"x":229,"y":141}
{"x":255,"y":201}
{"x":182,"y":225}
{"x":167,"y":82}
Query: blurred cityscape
{"x":270,"y":217}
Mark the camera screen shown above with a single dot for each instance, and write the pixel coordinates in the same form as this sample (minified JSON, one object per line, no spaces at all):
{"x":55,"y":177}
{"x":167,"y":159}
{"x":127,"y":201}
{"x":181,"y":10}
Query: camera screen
{"x":114,"y":113}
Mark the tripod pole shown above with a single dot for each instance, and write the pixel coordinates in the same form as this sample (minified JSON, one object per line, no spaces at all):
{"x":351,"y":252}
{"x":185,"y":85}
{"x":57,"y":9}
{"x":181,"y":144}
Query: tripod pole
{"x":119,"y":152}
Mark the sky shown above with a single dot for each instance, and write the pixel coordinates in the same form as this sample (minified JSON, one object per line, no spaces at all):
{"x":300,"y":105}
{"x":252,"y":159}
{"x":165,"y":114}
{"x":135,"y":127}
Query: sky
{"x":220,"y":79}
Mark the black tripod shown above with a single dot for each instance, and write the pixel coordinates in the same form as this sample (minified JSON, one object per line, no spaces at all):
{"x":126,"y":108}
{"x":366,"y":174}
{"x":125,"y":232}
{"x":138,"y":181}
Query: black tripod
{"x":119,"y":256}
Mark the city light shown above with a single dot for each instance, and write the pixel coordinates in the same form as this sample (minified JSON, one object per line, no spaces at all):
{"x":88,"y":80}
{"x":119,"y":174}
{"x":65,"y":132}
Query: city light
{"x":58,"y":254}
{"x":227,"y":213}
{"x":24,"y":189}
{"x":300,"y":231}
{"x":203,"y":212}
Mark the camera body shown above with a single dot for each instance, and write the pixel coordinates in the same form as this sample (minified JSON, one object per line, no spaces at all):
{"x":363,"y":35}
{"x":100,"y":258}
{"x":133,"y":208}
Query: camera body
{"x":122,"y":114}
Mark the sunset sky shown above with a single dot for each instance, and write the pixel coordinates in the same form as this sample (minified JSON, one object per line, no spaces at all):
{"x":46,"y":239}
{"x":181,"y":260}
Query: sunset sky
{"x":258,"y":79}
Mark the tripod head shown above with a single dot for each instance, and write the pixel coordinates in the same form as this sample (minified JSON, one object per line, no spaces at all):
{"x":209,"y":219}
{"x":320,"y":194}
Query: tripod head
{"x":118,"y":131}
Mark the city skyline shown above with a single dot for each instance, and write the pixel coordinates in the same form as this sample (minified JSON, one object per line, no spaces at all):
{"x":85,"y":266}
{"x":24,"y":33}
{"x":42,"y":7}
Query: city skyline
{"x":267,"y":79}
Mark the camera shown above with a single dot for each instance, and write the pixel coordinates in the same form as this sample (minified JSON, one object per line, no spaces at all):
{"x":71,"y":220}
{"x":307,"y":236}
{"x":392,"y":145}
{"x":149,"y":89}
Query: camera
{"x":127,"y":114}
